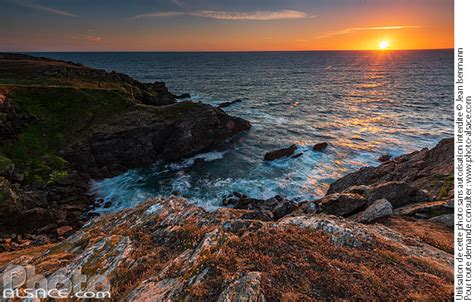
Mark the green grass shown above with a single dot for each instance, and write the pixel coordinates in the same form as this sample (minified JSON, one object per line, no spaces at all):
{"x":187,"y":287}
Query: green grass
{"x":4,"y":196}
{"x":447,"y":184}
{"x":61,"y":116}
{"x":5,"y":163}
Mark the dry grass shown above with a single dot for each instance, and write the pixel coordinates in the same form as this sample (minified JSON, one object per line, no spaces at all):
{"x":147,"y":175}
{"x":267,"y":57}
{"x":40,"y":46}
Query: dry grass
{"x":434,"y":234}
{"x":303,"y":265}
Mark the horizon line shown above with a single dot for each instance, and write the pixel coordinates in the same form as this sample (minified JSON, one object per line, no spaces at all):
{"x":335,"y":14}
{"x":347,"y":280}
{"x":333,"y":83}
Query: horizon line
{"x":216,"y":51}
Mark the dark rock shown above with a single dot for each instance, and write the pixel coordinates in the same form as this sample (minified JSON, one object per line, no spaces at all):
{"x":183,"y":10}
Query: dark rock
{"x":107,"y":205}
{"x":311,"y":208}
{"x":297,"y":155}
{"x":257,"y":215}
{"x":342,"y":204}
{"x":385,"y":158}
{"x":40,"y":240}
{"x":276,"y":154}
{"x":143,"y":136}
{"x":362,"y":189}
{"x":430,"y":170}
{"x":378,"y":209}
{"x":397,"y":192}
{"x":242,"y":202}
{"x":183,"y":96}
{"x":227,"y":104}
{"x":425,"y":209}
{"x":320,"y":146}
{"x":447,"y":219}
{"x":283,"y":208}
{"x":240,"y":226}
{"x":47,"y":228}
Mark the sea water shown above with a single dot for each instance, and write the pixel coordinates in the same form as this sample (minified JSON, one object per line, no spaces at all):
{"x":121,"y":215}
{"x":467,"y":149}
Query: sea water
{"x":363,"y":103}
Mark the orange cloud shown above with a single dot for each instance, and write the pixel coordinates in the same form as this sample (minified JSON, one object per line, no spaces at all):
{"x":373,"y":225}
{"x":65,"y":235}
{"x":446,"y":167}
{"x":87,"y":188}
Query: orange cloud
{"x":87,"y":38}
{"x":232,"y":15}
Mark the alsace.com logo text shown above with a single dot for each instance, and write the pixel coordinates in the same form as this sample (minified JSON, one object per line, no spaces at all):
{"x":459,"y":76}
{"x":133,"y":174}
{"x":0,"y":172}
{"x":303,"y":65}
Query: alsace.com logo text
{"x":21,"y":282}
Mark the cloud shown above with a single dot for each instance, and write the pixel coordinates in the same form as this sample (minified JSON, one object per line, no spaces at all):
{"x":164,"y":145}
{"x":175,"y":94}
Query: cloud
{"x":89,"y":38}
{"x":33,"y":5}
{"x":258,"y":15}
{"x":356,"y":29}
{"x":179,"y":3}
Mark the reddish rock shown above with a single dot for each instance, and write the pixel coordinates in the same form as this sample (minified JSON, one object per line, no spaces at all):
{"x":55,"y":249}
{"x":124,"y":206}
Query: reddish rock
{"x":64,"y":230}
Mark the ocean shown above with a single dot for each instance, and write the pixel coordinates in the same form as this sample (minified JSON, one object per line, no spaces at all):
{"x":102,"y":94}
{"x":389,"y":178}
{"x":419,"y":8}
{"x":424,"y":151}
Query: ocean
{"x":363,"y":103}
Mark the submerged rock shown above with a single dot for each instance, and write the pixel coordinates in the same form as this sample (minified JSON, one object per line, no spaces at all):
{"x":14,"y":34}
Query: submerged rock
{"x":276,"y":154}
{"x":227,"y":104}
{"x":320,"y":146}
{"x":183,"y":96}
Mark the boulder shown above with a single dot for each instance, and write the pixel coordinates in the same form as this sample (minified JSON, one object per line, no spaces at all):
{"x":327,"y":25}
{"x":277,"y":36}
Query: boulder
{"x":320,"y":146}
{"x":447,"y":219}
{"x":276,"y":154}
{"x":283,"y":208}
{"x":384,"y":158}
{"x":425,"y":209}
{"x":246,"y":288}
{"x":397,"y":192}
{"x":342,"y":204}
{"x":378,"y":209}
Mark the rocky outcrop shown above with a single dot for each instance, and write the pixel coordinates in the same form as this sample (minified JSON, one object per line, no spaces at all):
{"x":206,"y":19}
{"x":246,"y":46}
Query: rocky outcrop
{"x":430,"y":170}
{"x":37,"y":70}
{"x":168,"y":250}
{"x":342,"y":204}
{"x":384,"y":158}
{"x":378,"y":209}
{"x":265,"y":209}
{"x":86,"y":123}
{"x":277,"y":154}
{"x":142,"y":136}
{"x":320,"y":146}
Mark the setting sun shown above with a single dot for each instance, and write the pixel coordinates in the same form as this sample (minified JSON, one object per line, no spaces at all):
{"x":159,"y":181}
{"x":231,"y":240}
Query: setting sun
{"x":384,"y":45}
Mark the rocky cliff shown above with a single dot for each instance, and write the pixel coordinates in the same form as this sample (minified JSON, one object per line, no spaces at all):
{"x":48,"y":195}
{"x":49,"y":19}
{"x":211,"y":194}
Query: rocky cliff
{"x":375,"y":240}
{"x":62,"y":124}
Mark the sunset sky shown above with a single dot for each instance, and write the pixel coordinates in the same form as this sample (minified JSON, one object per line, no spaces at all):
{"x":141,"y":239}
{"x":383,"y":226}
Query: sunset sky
{"x":224,"y":25}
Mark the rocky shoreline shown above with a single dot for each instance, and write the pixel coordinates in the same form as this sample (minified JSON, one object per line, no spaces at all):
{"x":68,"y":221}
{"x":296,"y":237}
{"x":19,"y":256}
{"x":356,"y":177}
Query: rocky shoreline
{"x":343,"y":246}
{"x":81,"y":124}
{"x":380,"y":233}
